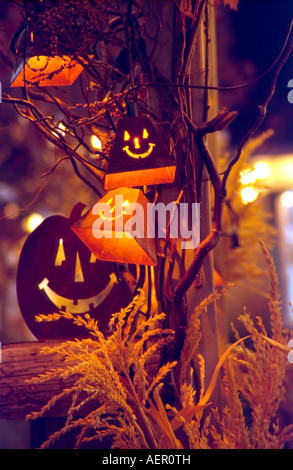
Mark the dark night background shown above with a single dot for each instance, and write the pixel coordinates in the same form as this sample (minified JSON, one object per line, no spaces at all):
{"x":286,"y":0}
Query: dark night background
{"x":249,"y":41}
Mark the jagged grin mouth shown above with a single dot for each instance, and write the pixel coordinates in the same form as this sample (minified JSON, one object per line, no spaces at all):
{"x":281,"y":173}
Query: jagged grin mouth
{"x":139,"y":155}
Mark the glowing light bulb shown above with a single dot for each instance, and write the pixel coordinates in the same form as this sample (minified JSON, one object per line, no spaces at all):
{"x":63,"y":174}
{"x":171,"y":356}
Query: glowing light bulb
{"x":248,"y":194}
{"x":248,"y":177}
{"x":62,"y":128}
{"x":287,"y":199}
{"x":95,"y":142}
{"x":262,"y":170}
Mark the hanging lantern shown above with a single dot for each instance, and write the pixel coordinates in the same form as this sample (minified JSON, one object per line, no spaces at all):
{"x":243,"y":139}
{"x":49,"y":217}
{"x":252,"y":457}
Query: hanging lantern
{"x":116,"y":228}
{"x":57,"y":272}
{"x":34,"y":67}
{"x":42,"y":70}
{"x":139,"y":156}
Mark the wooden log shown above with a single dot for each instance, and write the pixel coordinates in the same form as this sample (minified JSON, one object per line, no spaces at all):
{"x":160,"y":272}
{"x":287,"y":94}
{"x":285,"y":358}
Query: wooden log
{"x":21,"y":362}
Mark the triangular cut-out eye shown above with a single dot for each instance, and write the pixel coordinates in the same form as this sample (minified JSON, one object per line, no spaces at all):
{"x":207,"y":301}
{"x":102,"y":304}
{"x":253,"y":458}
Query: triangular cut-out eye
{"x":126,"y":136}
{"x":145,"y":134}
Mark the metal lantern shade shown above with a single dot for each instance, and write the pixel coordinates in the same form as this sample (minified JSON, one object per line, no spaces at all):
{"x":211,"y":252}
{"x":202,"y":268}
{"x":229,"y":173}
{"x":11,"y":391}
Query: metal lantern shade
{"x":45,"y":71}
{"x":33,"y":66}
{"x":139,"y":156}
{"x":116,"y":242}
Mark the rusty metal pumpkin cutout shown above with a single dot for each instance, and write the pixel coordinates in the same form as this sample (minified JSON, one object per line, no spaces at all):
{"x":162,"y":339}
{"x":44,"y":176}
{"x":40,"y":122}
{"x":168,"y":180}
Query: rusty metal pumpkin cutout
{"x":139,"y":156}
{"x":57,"y":272}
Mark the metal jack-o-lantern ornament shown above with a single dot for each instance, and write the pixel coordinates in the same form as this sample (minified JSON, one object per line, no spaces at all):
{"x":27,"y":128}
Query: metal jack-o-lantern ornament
{"x":56,"y":273}
{"x":44,"y":70}
{"x":117,"y":228}
{"x":139,"y":157}
{"x":33,"y":66}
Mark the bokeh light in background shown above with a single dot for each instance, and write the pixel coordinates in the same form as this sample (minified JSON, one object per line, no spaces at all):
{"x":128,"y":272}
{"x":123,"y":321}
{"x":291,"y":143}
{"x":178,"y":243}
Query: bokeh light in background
{"x":31,"y":222}
{"x":260,"y":171}
{"x":287,"y":199}
{"x":249,"y":194}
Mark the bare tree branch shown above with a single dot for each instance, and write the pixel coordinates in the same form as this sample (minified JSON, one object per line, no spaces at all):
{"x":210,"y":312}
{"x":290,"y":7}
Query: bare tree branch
{"x":286,"y":52}
{"x":222,"y":120}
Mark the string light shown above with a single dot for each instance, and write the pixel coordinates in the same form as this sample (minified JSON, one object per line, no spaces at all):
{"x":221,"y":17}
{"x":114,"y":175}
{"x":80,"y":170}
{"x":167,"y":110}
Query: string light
{"x":248,"y":177}
{"x":96,"y":143}
{"x":261,"y":171}
{"x":249,"y":194}
{"x":60,"y":130}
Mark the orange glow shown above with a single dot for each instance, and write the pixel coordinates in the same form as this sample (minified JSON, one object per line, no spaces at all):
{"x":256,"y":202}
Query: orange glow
{"x":31,"y":222}
{"x":113,"y":210}
{"x":46,"y":71}
{"x":118,"y":244}
{"x":249,"y":194}
{"x":147,"y":177}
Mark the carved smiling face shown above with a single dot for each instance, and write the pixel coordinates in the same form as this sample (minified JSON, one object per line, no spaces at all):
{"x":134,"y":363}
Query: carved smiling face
{"x":139,"y":156}
{"x":138,"y":146}
{"x":57,"y":272}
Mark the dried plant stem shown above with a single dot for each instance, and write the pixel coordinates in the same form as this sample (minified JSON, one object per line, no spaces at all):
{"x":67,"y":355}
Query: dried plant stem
{"x":147,"y":433}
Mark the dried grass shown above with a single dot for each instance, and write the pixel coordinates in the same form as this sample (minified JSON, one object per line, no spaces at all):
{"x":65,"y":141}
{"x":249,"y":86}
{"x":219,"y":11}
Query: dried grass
{"x":128,"y":404}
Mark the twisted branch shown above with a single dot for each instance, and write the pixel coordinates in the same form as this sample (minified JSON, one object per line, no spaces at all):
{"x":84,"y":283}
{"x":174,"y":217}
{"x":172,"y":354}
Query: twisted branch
{"x":220,"y":122}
